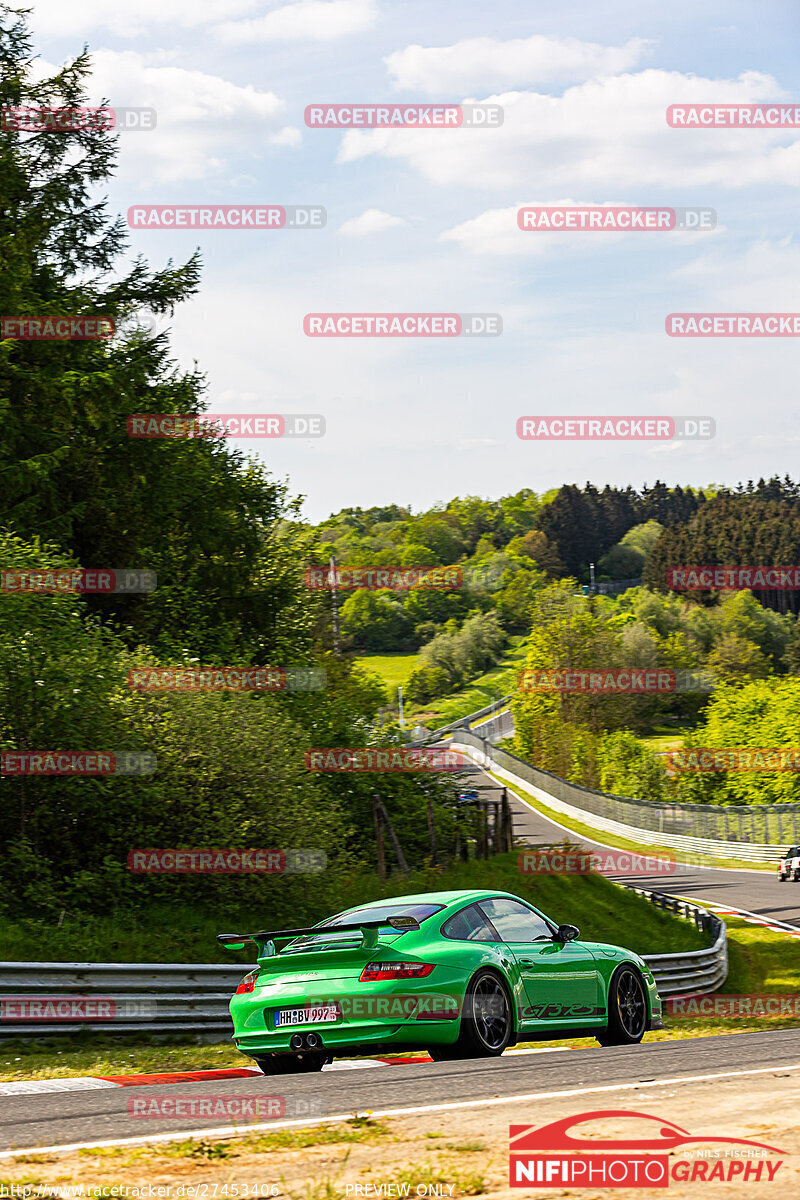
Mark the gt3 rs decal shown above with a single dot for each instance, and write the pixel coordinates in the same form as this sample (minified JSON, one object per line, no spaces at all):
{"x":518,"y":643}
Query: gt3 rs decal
{"x":551,"y":1012}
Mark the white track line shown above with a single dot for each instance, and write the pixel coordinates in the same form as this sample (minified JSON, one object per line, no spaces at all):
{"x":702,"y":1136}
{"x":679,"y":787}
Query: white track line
{"x":231,"y":1131}
{"x":757,"y":918}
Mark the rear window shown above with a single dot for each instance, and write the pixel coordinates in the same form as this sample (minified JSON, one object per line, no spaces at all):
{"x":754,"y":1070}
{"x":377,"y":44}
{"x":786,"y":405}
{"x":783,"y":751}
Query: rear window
{"x":369,"y":913}
{"x":376,"y":911}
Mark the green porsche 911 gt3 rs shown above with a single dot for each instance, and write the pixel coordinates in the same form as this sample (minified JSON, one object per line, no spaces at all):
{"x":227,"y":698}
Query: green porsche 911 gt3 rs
{"x":459,"y":974}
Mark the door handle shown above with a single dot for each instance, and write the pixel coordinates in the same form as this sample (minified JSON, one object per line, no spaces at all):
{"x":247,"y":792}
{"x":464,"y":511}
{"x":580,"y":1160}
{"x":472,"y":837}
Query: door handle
{"x":527,"y":962}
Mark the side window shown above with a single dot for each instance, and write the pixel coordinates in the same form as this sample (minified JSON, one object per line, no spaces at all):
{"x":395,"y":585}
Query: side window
{"x":469,"y":925}
{"x":514,"y":922}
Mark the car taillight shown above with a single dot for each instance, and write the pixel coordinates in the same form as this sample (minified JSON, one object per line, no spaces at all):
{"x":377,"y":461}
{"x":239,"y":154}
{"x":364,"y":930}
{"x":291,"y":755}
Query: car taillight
{"x":248,"y":984}
{"x":394,"y":970}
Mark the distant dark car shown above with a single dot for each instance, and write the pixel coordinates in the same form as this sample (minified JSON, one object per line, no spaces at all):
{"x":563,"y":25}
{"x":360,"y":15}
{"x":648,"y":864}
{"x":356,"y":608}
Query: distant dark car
{"x":789,"y":865}
{"x":469,"y":795}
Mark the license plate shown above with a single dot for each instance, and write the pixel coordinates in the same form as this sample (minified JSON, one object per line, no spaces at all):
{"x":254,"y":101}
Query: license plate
{"x":311,"y":1014}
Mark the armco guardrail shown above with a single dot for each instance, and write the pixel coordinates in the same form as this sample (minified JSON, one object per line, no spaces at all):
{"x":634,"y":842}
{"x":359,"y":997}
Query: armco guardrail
{"x":474,"y":718}
{"x":193,"y":997}
{"x":151,"y":998}
{"x":755,"y":833}
{"x":690,"y":972}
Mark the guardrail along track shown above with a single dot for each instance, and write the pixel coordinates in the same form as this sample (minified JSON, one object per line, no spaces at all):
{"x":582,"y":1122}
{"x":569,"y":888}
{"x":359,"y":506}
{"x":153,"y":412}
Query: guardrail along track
{"x":707,"y":830}
{"x":165,"y":998}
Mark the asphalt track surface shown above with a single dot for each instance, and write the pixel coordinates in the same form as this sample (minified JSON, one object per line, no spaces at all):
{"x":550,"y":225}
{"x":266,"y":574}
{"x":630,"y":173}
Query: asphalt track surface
{"x":66,"y":1118}
{"x":754,"y":891}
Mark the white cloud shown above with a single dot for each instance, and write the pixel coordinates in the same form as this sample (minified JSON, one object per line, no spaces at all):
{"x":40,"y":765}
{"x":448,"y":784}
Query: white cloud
{"x":601,"y":136}
{"x":64,"y":17}
{"x":202,"y":120}
{"x":303,"y":20}
{"x":485,"y":64}
{"x":763,"y":278}
{"x":235,"y":20}
{"x":374,"y":220}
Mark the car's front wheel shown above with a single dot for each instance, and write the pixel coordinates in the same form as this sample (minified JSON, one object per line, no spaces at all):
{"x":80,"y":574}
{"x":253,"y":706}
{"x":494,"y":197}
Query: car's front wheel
{"x":627,"y":1009}
{"x":292,"y":1064}
{"x":487,"y":1025}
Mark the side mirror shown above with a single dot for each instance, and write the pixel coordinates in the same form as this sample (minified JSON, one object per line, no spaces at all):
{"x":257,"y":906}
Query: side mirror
{"x":566,"y":933}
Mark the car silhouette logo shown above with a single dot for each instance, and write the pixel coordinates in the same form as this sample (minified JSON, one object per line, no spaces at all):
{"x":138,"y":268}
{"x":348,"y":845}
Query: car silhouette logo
{"x":557,"y":1135}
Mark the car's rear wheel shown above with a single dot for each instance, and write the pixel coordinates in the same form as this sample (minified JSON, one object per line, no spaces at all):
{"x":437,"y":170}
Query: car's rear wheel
{"x":796,"y":876}
{"x":292,"y":1064}
{"x":487,"y":1025}
{"x":781,"y":879}
{"x":627,"y":1009}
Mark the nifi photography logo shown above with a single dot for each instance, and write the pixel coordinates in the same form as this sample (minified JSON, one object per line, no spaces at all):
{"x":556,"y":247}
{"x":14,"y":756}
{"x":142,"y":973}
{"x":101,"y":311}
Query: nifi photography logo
{"x":559,"y":1155}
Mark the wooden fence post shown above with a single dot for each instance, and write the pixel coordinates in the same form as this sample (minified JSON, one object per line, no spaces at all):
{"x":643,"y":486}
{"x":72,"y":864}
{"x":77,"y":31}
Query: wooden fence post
{"x":379,"y":837}
{"x":398,"y":853}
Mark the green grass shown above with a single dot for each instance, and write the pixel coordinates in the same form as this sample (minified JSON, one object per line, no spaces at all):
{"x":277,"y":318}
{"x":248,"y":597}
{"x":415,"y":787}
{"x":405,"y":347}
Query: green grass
{"x":187,"y":933}
{"x":659,"y":743}
{"x":760,"y":962}
{"x":478,"y":693}
{"x":179,"y":932}
{"x":440,"y":1176}
{"x":63,"y":1057}
{"x":393,"y":669}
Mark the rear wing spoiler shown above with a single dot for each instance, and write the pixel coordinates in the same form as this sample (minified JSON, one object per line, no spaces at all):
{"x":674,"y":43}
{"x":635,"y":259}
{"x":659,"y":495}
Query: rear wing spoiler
{"x":367,"y":929}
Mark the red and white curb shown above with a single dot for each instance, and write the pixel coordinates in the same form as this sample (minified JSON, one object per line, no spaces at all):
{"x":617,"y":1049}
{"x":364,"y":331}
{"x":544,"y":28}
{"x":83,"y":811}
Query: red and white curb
{"x":92,"y":1083}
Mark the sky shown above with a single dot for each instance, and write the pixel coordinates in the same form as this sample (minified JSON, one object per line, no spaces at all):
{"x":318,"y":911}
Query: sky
{"x":425,"y":221}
